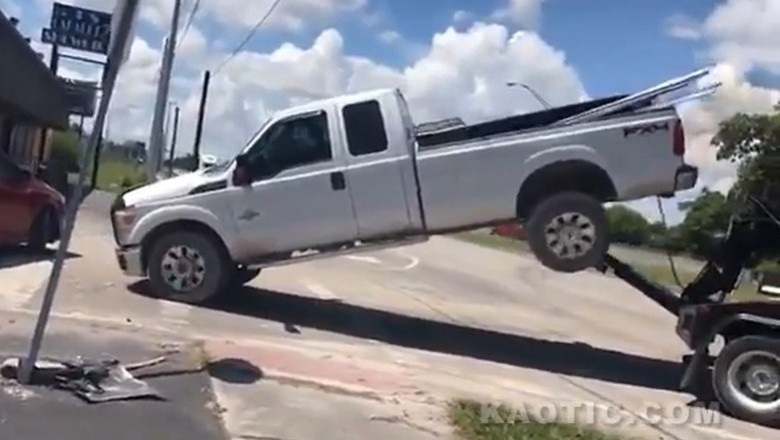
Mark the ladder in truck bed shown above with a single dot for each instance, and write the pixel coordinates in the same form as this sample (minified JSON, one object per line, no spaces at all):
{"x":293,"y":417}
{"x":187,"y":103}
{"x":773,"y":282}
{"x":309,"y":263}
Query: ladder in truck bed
{"x":649,"y":99}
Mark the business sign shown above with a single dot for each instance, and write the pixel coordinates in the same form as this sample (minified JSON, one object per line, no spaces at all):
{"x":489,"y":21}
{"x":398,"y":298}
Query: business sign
{"x":80,"y":96}
{"x":79,"y":28}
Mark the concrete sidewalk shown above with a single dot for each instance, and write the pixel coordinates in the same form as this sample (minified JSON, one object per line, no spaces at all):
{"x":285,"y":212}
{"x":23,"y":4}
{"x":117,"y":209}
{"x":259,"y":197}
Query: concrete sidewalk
{"x":39,"y":413}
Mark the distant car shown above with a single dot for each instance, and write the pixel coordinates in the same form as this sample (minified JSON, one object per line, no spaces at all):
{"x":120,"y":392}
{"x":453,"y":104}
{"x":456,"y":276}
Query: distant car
{"x":31,"y":211}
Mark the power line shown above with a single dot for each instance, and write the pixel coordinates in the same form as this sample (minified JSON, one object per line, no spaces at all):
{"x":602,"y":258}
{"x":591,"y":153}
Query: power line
{"x":190,"y":19}
{"x":249,"y":36}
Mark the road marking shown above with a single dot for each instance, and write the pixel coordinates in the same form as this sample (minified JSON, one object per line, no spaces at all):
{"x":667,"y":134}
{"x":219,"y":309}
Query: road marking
{"x":175,"y":311}
{"x":321,"y":291}
{"x":413,"y":261}
{"x":364,"y":258}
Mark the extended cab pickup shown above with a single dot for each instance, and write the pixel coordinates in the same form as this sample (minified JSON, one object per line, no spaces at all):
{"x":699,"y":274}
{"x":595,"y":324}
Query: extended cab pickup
{"x":353,"y":173}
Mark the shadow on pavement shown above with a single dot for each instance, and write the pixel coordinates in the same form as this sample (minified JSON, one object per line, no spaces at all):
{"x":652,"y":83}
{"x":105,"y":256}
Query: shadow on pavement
{"x":20,"y":255}
{"x":575,"y":359}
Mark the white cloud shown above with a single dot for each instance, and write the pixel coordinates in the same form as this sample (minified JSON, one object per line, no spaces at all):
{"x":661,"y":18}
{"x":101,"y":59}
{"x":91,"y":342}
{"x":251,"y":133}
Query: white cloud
{"x":682,"y":27}
{"x":520,"y":12}
{"x":461,"y":16}
{"x":460,"y":74}
{"x":390,"y":36}
{"x":745,"y":33}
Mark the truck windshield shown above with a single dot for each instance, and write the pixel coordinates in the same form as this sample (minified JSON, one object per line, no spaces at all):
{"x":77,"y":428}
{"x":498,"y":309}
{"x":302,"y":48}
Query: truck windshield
{"x":223,"y":165}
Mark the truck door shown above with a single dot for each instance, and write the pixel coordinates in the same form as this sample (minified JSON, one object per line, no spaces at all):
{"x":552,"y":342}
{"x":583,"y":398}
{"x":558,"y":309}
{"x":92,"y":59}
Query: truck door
{"x":375,"y":171}
{"x":298,"y":198}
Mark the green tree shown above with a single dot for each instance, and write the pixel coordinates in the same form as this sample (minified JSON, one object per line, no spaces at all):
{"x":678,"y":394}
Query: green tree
{"x":658,"y":234}
{"x":707,"y":217}
{"x":66,"y":149}
{"x":752,"y":141}
{"x":628,"y":226}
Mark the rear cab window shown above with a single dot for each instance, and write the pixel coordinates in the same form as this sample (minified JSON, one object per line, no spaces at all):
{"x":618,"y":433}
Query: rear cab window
{"x":365,"y":128}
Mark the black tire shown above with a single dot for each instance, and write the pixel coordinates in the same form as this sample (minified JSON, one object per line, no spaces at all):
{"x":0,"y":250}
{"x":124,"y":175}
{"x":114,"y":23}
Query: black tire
{"x":580,"y":208}
{"x":41,"y":232}
{"x":242,"y":276}
{"x":734,"y":401}
{"x":213,"y":267}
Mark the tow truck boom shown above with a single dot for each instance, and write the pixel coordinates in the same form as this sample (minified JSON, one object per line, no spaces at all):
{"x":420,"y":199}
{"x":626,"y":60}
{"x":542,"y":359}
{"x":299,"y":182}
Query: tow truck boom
{"x":746,"y":371}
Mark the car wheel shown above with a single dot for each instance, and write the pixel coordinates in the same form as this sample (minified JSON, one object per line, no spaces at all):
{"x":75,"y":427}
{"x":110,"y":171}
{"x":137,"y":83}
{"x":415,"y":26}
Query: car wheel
{"x":40,"y":230}
{"x":244,"y":275}
{"x":568,"y":232}
{"x":188,"y":267}
{"x":746,"y":379}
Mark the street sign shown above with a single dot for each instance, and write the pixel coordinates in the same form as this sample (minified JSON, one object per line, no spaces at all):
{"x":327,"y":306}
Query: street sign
{"x":81,"y":96}
{"x":79,"y":28}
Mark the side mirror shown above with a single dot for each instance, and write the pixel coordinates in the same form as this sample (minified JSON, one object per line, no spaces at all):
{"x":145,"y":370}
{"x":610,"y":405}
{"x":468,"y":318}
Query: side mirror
{"x":241,"y":174}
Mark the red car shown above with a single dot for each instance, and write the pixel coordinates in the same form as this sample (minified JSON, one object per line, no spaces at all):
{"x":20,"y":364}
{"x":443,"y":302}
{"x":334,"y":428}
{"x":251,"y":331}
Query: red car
{"x":31,"y":211}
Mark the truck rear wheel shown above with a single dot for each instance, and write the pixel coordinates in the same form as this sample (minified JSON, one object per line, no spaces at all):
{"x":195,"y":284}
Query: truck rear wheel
{"x":188,"y":267}
{"x":568,"y":232}
{"x":746,"y":379}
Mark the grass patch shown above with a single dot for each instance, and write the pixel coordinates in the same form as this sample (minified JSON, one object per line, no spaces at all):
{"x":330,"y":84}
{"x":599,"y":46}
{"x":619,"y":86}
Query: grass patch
{"x":114,"y":175}
{"x":661,"y":274}
{"x":471,"y":424}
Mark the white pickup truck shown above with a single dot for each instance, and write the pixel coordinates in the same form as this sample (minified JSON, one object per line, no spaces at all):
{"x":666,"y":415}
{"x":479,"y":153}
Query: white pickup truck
{"x":353,"y":173}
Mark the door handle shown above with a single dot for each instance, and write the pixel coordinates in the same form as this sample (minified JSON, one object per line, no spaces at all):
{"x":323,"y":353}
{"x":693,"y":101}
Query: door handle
{"x":337,"y":181}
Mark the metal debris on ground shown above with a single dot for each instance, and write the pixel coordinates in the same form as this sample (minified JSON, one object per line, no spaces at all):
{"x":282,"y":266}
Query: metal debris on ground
{"x":93,"y":381}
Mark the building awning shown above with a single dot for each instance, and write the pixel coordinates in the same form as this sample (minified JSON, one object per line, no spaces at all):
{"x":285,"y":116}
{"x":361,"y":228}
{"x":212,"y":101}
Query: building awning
{"x":29,"y":90}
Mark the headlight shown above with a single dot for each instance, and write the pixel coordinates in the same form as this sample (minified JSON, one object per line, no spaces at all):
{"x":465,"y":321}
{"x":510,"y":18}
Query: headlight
{"x":124,"y":218}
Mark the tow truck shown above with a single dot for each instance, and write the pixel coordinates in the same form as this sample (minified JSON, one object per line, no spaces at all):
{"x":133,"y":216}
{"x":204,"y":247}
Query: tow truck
{"x":745,"y":372}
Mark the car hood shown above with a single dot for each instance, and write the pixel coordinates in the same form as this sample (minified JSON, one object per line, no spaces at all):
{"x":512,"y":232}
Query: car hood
{"x":174,"y":187}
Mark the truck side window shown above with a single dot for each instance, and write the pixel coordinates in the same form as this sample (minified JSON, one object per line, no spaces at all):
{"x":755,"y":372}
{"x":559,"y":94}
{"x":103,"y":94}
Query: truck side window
{"x":365,"y":128}
{"x":293,"y":143}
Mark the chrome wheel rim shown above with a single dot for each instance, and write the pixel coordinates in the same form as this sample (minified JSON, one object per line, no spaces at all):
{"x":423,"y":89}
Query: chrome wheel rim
{"x":754,"y":380}
{"x":570,"y":235}
{"x":183,"y":268}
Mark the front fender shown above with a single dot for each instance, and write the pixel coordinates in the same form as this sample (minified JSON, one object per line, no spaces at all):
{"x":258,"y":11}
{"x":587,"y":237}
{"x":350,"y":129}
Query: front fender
{"x":549,"y":156}
{"x":164,"y":215}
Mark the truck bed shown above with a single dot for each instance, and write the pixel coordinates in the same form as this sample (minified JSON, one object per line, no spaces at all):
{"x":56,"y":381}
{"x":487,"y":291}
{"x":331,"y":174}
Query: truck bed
{"x":511,"y":124}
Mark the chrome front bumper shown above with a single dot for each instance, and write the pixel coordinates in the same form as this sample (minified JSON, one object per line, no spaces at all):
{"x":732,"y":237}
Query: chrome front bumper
{"x":130,"y":263}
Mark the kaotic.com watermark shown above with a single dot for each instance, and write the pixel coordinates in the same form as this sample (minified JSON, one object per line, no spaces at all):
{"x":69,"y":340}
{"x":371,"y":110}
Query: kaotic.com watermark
{"x":602,"y":414}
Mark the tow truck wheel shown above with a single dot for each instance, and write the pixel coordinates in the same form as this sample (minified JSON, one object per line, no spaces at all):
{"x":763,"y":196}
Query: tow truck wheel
{"x":568,"y":232}
{"x":187,"y":266}
{"x":746,"y":379}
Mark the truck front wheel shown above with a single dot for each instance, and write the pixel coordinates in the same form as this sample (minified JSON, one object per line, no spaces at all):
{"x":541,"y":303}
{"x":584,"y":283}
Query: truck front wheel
{"x":187,"y":266}
{"x":568,"y":232}
{"x":746,"y":379}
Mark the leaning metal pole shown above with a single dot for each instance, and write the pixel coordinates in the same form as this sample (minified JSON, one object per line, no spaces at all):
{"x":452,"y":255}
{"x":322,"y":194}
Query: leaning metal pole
{"x":114,"y":60}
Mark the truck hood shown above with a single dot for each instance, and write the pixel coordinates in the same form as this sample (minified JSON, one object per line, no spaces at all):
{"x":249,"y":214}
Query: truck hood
{"x":174,"y":187}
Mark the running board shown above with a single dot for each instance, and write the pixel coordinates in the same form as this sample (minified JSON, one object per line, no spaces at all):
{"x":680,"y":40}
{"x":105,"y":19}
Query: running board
{"x":660,"y":295}
{"x":346,"y":249}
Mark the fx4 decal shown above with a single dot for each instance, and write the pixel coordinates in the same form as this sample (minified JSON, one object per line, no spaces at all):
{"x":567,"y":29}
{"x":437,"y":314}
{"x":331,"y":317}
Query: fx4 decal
{"x":645,"y":129}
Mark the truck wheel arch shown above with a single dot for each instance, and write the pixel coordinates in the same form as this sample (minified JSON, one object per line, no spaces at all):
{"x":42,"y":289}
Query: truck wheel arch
{"x":178,"y":225}
{"x":578,"y":175}
{"x":745,"y":325}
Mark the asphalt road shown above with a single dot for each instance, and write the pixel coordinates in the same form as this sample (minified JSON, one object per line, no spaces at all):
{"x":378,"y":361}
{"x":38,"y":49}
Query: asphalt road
{"x":456,"y":317}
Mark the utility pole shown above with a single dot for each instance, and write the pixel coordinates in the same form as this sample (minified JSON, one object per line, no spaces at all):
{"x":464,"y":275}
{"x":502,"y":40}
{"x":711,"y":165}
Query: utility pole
{"x":173,"y":140}
{"x":154,"y":158}
{"x":201,"y":114}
